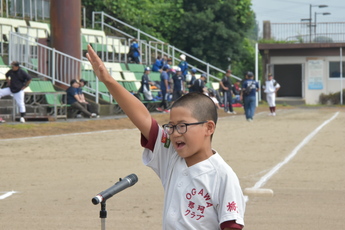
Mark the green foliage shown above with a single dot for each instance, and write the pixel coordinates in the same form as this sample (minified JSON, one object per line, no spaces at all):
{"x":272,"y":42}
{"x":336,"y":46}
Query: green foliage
{"x":331,"y":98}
{"x":272,"y":41}
{"x":211,"y":30}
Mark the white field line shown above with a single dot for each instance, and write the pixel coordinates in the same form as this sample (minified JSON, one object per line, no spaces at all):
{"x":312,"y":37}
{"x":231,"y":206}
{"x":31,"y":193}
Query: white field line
{"x":275,"y":169}
{"x":7,"y":194}
{"x":61,"y":135}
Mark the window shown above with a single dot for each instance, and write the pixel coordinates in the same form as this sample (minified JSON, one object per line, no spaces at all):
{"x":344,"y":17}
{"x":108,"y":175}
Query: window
{"x":334,"y":69}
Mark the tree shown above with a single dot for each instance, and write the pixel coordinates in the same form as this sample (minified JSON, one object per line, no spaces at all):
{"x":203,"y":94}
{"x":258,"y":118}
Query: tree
{"x":214,"y":30}
{"x":211,"y":30}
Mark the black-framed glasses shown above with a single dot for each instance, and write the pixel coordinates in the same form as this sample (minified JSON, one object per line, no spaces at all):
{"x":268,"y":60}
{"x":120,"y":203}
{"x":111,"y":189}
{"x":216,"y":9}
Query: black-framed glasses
{"x":181,"y":128}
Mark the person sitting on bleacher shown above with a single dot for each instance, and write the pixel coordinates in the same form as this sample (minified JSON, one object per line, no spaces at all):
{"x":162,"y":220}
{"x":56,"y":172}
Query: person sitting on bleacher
{"x":158,"y":65}
{"x":73,"y":99}
{"x":134,"y":51}
{"x":17,"y":80}
{"x":85,"y":103}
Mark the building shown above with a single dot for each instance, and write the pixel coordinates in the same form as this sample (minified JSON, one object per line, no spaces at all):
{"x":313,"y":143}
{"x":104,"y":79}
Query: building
{"x":305,"y":65}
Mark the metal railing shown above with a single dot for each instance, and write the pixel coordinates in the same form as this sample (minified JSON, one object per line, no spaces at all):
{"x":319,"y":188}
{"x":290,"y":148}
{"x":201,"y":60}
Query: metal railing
{"x":152,"y":47}
{"x":321,"y":32}
{"x":52,"y":64}
{"x":33,"y":9}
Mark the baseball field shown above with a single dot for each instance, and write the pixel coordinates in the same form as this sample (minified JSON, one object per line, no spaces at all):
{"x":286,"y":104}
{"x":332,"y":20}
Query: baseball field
{"x":47,"y":179}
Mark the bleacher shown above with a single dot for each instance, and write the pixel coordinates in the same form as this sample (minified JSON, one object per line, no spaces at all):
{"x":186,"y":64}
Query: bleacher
{"x":111,"y":49}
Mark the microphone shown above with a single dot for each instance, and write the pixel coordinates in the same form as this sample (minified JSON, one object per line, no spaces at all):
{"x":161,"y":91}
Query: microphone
{"x":124,"y":183}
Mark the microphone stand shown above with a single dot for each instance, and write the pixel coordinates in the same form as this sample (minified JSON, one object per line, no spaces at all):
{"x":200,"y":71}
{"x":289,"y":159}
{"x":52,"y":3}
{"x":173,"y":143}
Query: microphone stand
{"x":103,"y":215}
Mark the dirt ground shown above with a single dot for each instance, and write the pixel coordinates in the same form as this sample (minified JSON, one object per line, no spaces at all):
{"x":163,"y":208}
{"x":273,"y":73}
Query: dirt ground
{"x":57,"y":167}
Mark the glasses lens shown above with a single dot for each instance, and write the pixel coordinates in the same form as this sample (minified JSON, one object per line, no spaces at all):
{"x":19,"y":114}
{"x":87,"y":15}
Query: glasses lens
{"x":181,"y":128}
{"x":168,"y":128}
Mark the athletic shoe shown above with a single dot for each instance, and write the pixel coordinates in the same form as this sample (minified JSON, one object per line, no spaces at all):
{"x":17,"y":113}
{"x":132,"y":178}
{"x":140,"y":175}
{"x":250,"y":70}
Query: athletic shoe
{"x":79,"y":116}
{"x":273,"y":114}
{"x":234,"y":112}
{"x":22,"y":120}
{"x":2,"y":120}
{"x":159,"y":109}
{"x":93,"y":115}
{"x":166,"y":110}
{"x":270,"y":114}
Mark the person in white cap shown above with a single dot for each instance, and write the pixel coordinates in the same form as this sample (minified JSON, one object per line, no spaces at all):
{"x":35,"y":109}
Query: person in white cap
{"x":183,"y":65}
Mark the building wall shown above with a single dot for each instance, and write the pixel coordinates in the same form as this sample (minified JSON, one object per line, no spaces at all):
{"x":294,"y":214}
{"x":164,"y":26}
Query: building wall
{"x":315,"y":75}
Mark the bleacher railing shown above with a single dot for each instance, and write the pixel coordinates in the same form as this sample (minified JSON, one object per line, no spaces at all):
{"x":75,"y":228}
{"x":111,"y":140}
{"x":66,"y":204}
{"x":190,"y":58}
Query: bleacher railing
{"x":50,"y":63}
{"x":153,"y":47}
{"x":33,"y":9}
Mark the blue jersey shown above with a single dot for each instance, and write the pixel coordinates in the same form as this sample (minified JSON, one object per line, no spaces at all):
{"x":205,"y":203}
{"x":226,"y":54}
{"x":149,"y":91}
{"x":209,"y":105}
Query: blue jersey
{"x":253,"y":86}
{"x":164,"y":76}
{"x":135,"y":47}
{"x":184,"y":67}
{"x":157,"y":65}
{"x":71,"y":92}
{"x":178,"y":82}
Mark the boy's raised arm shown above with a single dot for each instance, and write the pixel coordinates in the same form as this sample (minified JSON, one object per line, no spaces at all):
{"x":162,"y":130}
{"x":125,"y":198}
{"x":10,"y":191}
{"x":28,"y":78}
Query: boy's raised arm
{"x":134,"y":109}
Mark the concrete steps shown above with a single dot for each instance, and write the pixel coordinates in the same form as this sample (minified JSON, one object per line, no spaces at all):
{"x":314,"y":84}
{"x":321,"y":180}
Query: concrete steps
{"x":290,"y":100}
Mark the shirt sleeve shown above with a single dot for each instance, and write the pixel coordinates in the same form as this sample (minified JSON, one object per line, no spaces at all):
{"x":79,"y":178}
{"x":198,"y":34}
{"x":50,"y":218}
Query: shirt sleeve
{"x":230,"y":224}
{"x":150,"y":144}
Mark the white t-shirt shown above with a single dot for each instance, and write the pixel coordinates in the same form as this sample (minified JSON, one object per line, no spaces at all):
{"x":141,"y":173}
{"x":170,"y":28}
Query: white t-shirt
{"x":271,"y":86}
{"x":214,"y":99}
{"x":198,"y":197}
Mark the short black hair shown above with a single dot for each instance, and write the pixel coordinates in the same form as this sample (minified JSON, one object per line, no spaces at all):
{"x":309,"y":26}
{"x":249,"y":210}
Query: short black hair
{"x":201,"y":106}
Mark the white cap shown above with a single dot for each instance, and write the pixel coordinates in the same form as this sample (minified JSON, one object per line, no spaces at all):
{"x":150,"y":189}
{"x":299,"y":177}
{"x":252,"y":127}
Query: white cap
{"x":178,"y":69}
{"x":183,"y":57}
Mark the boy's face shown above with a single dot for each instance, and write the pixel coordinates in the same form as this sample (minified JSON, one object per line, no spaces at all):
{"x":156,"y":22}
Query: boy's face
{"x":194,"y":145}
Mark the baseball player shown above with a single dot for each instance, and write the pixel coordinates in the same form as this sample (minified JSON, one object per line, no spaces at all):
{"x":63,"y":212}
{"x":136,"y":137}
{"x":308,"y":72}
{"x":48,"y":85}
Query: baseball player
{"x":201,"y":189}
{"x":271,"y":88}
{"x":18,"y":80}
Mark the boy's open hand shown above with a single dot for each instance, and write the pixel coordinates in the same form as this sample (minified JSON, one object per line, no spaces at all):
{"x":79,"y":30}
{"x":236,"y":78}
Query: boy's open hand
{"x":97,"y":64}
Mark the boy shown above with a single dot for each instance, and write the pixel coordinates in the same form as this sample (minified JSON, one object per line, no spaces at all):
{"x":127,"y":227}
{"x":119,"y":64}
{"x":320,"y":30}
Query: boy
{"x":201,"y":190}
{"x":271,"y":88}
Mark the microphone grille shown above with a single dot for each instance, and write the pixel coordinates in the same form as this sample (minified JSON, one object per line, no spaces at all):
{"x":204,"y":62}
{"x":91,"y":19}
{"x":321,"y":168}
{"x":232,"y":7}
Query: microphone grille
{"x":132,"y":179}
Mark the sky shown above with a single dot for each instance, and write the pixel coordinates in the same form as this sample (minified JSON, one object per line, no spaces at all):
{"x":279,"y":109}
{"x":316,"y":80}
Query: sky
{"x":295,"y":10}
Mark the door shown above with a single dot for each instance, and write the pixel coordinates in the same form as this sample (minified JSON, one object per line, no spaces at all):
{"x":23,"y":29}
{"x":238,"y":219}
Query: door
{"x":289,"y":76}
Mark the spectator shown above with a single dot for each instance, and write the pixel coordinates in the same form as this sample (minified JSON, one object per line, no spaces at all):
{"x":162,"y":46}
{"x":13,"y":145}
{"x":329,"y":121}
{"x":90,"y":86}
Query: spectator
{"x":225,"y":87}
{"x":17,"y":80}
{"x":158,"y":64}
{"x":183,"y":65}
{"x":164,"y":84}
{"x":199,"y":84}
{"x":212,"y":95}
{"x":165,"y":60}
{"x":248,"y":94}
{"x":236,"y":90}
{"x":73,"y":99}
{"x":190,"y":82}
{"x":168,"y":62}
{"x":145,"y":85}
{"x":83,"y":101}
{"x":178,"y":88}
{"x":271,"y":88}
{"x":134,"y":51}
